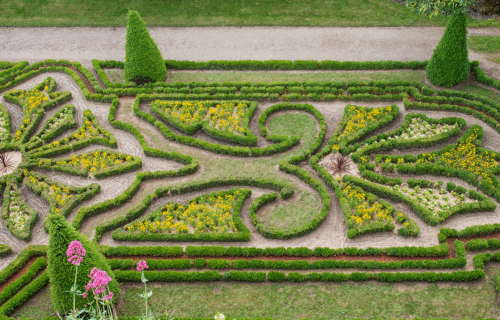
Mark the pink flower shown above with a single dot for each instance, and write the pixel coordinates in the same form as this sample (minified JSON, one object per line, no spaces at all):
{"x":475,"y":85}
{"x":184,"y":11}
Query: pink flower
{"x":142,"y":265}
{"x":100,"y":280}
{"x":75,"y":252}
{"x":108,"y":297}
{"x":84,"y":295}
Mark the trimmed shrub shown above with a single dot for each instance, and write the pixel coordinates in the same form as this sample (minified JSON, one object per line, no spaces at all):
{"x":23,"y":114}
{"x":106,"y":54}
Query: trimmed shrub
{"x":449,"y":63}
{"x":62,"y":272}
{"x":143,"y":61}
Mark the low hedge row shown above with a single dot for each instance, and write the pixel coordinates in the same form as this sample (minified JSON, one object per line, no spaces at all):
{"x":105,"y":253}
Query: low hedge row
{"x":154,"y":251}
{"x":459,"y":262}
{"x":479,"y":260}
{"x":219,"y":251}
{"x":243,"y":234}
{"x":13,"y":287}
{"x":294,"y":65}
{"x":22,"y":296}
{"x":482,"y":78}
{"x":4,"y":250}
{"x":285,"y":189}
{"x":468,"y":232}
{"x":168,"y":276}
{"x":21,"y":259}
{"x":208,"y":276}
{"x":90,"y":77}
{"x":483,"y":244}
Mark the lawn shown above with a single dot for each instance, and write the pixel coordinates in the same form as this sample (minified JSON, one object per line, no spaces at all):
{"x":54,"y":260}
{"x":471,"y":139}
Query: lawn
{"x":189,"y":13}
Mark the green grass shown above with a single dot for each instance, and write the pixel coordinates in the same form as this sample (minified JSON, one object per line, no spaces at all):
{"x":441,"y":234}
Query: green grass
{"x":263,"y":76}
{"x":187,"y":13}
{"x":475,"y":300}
{"x":485,"y":44}
{"x":490,"y":94}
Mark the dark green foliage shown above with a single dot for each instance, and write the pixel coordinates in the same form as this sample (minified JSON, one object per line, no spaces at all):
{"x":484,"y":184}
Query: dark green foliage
{"x":143,"y":61}
{"x":62,"y":272}
{"x":449,"y":63}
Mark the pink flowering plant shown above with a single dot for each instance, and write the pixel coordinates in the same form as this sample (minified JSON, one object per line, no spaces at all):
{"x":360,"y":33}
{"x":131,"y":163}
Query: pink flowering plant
{"x":97,"y":286}
{"x":141,"y":265}
{"x":75,"y":254}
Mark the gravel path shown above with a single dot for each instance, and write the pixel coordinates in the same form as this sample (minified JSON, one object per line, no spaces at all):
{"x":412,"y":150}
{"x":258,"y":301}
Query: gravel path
{"x":234,"y":43}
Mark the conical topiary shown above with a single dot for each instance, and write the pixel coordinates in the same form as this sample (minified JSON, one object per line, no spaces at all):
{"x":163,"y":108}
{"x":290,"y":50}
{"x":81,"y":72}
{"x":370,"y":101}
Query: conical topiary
{"x":62,"y":272}
{"x":449,"y":63}
{"x":143,"y":61}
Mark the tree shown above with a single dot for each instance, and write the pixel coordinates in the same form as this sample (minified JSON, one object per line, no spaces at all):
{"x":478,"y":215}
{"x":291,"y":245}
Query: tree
{"x":143,"y":60}
{"x":449,"y":63}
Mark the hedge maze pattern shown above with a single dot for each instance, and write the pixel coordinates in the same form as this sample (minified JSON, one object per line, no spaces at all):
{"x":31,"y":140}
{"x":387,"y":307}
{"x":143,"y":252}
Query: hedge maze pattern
{"x":354,"y":163}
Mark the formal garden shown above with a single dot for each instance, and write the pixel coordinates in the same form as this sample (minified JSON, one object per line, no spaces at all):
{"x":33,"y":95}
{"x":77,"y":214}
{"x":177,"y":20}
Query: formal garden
{"x":314,"y":195}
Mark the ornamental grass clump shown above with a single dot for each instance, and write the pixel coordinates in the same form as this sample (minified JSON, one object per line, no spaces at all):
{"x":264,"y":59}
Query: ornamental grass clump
{"x":340,"y":164}
{"x":5,"y":162}
{"x":143,"y":60}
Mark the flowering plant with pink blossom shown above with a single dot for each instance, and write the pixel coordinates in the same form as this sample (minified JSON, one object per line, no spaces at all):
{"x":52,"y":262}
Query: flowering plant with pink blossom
{"x":75,"y":254}
{"x":141,"y":265}
{"x":97,"y":286}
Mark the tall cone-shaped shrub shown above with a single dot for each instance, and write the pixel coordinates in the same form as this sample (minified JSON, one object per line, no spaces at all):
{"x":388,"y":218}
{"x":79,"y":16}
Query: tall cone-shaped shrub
{"x":449,"y":63}
{"x":143,"y":61}
{"x":62,"y":272}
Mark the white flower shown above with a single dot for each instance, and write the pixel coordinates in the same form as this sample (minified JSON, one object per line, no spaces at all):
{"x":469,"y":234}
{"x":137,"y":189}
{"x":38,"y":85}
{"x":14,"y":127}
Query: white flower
{"x":219,"y":316}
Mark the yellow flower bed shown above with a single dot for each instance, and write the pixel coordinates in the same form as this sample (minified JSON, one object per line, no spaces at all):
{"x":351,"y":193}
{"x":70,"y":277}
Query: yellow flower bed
{"x":96,"y":161}
{"x":34,"y":100}
{"x":360,"y":118}
{"x":364,"y":212}
{"x":206,"y":214}
{"x":227,"y":116}
{"x":59,"y":194}
{"x":465,"y":156}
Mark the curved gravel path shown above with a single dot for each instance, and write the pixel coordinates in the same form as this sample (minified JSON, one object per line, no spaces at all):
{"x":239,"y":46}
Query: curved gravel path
{"x":235,"y":43}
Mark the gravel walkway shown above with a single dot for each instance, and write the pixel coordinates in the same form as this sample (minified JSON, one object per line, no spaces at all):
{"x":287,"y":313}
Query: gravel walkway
{"x":234,"y":43}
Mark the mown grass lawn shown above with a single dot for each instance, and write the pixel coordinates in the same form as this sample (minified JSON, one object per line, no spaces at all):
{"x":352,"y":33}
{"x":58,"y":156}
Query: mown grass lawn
{"x":188,"y":13}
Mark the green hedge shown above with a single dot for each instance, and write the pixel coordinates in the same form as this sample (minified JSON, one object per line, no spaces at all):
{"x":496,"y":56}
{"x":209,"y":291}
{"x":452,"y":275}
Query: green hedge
{"x":449,"y":63}
{"x":13,"y":287}
{"x":143,"y":61}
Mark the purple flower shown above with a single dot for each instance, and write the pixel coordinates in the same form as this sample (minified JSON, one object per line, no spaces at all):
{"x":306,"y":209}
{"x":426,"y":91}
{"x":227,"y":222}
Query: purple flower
{"x":75,"y":253}
{"x":142,"y":265}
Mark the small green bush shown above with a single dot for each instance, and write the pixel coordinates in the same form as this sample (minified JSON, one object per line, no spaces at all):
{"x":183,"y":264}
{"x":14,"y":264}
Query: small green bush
{"x":62,"y":272}
{"x":143,"y":61}
{"x":449,"y":63}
